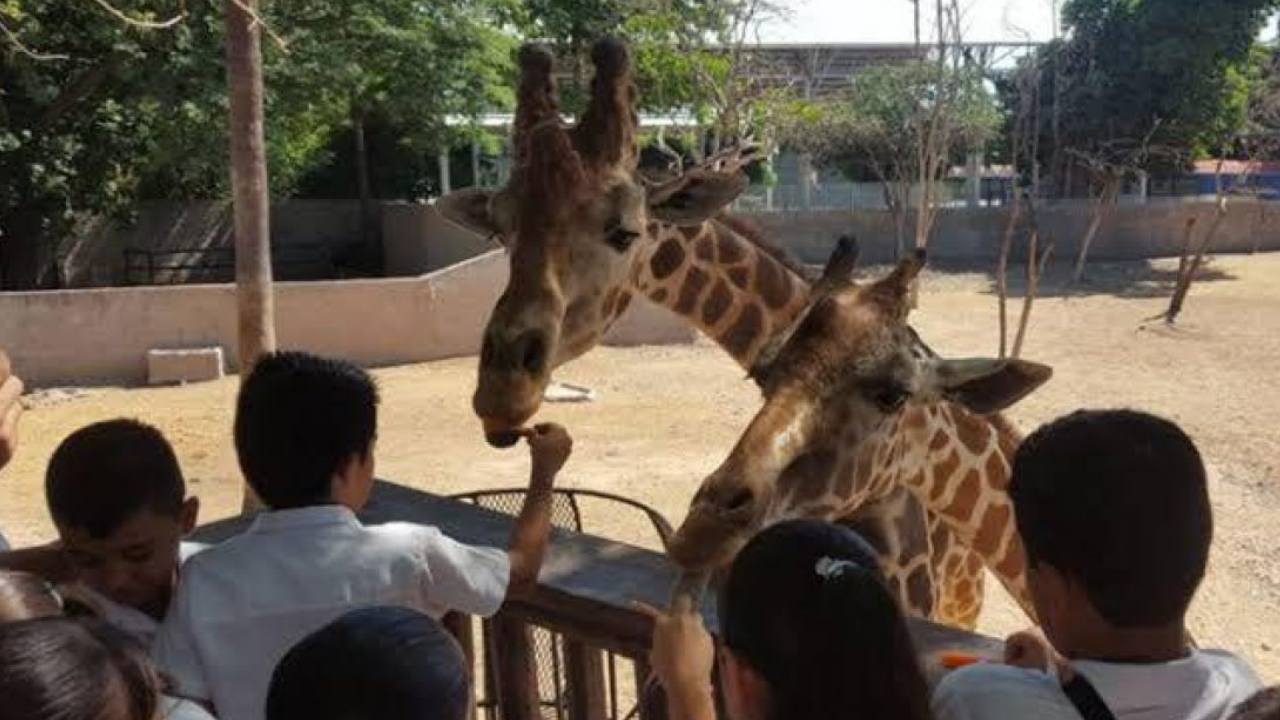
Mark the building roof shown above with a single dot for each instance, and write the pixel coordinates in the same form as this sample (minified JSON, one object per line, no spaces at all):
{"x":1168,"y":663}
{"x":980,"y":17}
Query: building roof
{"x":1237,"y":167}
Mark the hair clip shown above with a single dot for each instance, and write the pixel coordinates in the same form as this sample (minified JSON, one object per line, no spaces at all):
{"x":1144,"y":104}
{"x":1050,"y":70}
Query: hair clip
{"x":828,"y":568}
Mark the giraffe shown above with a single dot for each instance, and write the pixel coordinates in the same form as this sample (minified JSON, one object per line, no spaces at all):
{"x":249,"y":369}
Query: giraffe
{"x":858,"y":408}
{"x":586,"y":235}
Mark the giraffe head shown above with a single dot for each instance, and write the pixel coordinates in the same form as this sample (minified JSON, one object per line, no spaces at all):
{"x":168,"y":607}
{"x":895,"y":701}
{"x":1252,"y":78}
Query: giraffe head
{"x":575,"y":218}
{"x":836,"y":379}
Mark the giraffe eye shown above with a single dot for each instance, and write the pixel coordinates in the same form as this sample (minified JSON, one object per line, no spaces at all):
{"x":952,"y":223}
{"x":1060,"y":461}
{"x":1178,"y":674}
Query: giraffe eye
{"x":889,"y":398}
{"x":620,"y":238}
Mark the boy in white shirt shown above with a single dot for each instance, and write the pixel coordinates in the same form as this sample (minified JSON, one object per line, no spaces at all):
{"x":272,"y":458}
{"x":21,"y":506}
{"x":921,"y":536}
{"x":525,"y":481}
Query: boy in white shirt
{"x":1114,"y":512}
{"x":304,"y":432}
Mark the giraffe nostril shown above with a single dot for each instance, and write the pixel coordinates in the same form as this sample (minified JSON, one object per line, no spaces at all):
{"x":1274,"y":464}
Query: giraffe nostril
{"x":533,"y":356}
{"x":740,"y":500}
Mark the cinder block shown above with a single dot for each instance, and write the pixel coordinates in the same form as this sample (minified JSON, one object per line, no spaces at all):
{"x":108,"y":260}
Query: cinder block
{"x":183,"y":365}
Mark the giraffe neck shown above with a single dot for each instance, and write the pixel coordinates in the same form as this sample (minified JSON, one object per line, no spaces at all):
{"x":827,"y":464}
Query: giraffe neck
{"x":727,"y":286}
{"x":958,"y":464}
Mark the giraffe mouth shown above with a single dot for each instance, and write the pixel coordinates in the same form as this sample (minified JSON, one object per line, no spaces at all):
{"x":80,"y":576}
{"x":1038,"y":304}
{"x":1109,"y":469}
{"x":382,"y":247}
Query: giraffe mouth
{"x":707,"y":540}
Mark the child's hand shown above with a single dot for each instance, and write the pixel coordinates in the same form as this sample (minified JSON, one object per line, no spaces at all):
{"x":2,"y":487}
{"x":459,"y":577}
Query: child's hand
{"x":549,"y":447}
{"x":683,"y":653}
{"x":1030,"y":650}
{"x":10,"y":410}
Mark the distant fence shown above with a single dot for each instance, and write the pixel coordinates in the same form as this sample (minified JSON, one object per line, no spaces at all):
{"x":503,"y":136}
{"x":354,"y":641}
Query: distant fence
{"x":95,"y":337}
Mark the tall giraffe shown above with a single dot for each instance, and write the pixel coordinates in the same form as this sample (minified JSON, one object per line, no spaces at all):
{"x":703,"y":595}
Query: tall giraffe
{"x":586,"y":235}
{"x":857,"y":409}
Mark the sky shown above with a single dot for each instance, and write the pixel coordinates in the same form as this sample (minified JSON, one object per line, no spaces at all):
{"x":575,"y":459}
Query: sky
{"x":892,"y":21}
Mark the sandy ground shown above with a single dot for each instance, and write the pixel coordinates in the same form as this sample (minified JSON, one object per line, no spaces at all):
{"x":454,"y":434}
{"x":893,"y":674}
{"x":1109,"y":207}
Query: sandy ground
{"x":666,"y":416}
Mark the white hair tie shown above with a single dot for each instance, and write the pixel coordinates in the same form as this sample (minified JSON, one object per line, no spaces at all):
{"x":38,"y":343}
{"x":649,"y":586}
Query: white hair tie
{"x":828,"y":568}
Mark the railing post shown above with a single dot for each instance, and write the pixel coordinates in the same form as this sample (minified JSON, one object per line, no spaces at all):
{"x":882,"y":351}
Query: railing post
{"x":517,"y":676}
{"x":585,"y":670}
{"x":459,"y":626}
{"x":651,"y":699}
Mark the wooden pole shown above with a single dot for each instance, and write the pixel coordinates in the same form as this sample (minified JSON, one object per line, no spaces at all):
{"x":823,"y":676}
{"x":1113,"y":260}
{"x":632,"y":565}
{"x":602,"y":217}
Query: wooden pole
{"x":257,"y":334}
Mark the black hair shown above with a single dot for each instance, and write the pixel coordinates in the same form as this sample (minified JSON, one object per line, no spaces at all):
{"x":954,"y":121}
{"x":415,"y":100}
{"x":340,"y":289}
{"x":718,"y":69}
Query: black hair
{"x":379,"y":663}
{"x":63,"y":669}
{"x":805,"y":606}
{"x":299,"y":419}
{"x":105,"y":473}
{"x":1117,"y":501}
{"x":1264,"y":705}
{"x":24,"y":596}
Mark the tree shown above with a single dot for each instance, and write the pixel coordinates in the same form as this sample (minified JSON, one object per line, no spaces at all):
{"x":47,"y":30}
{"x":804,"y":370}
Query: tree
{"x":97,"y":113}
{"x":406,"y":66}
{"x":903,"y":125}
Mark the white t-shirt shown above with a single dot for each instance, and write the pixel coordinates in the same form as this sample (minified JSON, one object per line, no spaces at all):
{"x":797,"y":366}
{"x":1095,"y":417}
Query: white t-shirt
{"x":1206,"y":685}
{"x":242,"y":604}
{"x":127,"y":618}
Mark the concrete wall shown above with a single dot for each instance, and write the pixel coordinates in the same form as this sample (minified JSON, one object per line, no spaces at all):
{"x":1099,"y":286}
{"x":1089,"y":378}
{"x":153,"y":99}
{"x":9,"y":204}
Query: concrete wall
{"x":417,"y":240}
{"x":88,"y":337}
{"x":1130,"y":232}
{"x":94,"y":256}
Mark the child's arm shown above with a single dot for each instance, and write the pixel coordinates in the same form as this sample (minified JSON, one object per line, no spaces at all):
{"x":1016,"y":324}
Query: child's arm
{"x":47,"y":561}
{"x":549,"y":448}
{"x":682,"y":657}
{"x":10,"y":410}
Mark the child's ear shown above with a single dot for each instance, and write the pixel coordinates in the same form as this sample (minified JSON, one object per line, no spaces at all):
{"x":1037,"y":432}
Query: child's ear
{"x":190,"y":514}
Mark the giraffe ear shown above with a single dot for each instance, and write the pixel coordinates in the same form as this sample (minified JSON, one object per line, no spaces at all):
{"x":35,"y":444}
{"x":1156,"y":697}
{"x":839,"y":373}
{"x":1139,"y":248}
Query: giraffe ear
{"x":985,"y":385}
{"x":481,"y":210}
{"x":695,"y":198}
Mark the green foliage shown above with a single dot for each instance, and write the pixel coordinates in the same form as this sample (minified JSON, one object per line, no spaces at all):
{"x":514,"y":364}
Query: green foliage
{"x":134,"y":113}
{"x":1147,"y":83}
{"x":876,"y":131}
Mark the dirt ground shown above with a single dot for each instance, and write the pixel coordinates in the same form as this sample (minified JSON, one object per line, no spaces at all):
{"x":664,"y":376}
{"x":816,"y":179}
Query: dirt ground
{"x":666,"y":416}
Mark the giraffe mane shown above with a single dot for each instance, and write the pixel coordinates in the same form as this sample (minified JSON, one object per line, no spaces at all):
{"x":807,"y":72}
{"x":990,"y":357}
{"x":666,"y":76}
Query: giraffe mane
{"x":753,"y":234}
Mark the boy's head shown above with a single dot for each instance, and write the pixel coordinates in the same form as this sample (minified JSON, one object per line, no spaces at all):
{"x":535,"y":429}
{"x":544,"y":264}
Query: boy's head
{"x":1114,"y":512}
{"x":116,"y":494}
{"x":376,"y":663}
{"x":305,"y":429}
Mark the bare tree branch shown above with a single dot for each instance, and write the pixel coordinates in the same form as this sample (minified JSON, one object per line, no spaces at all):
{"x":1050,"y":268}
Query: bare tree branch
{"x":140,"y":22}
{"x":12,"y":37}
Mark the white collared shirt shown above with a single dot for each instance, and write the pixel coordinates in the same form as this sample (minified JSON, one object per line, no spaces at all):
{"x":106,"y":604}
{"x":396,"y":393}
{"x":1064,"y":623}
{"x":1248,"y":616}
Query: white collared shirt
{"x":126,"y":617}
{"x":242,"y":604}
{"x":1206,"y":685}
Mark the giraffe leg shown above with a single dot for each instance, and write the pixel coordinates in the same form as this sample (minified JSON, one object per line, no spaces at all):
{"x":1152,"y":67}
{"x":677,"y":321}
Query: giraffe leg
{"x":898,"y":528}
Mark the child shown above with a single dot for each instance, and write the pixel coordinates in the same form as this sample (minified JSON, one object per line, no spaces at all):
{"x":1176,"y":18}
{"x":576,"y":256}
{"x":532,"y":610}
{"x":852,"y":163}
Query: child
{"x":1114,"y":512}
{"x":304,"y":433}
{"x":809,"y":630}
{"x":10,"y":411}
{"x":382,"y":662}
{"x":62,"y":669}
{"x":116,"y":495}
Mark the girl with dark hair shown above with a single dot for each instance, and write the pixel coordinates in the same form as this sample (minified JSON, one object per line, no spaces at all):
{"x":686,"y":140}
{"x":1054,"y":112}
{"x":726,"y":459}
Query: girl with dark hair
{"x":24,"y":596}
{"x":58,"y":668}
{"x":808,"y":632}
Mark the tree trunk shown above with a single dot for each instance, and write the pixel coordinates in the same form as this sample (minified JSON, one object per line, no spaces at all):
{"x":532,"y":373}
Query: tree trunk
{"x":1036,"y":263}
{"x":1002,"y":272}
{"x":1187,"y":274}
{"x":1110,"y":189}
{"x":257,"y":333}
{"x":370,"y":227}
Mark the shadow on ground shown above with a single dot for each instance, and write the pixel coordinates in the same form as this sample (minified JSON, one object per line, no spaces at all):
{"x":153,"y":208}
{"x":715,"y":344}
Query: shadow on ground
{"x":1128,"y":279}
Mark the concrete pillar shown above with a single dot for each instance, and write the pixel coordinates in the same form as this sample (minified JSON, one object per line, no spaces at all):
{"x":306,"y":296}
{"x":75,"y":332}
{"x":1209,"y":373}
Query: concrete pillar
{"x":475,"y":164}
{"x":445,"y":185}
{"x":973,"y":177}
{"x":1144,"y":181}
